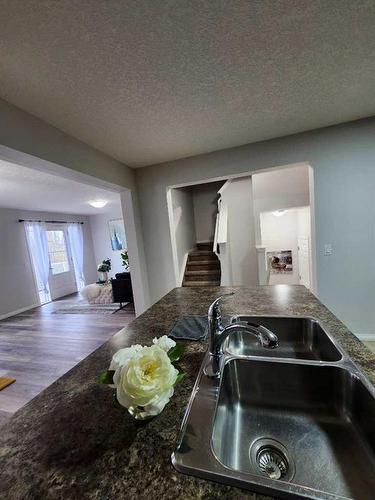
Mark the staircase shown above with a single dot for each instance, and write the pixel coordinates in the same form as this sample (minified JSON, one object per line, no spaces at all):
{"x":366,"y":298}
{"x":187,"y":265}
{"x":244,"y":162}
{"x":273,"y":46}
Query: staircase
{"x":202,"y":267}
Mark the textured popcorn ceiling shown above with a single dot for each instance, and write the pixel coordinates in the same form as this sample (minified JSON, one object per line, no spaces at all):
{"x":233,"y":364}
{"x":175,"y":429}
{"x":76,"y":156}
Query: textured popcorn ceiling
{"x":150,"y":81}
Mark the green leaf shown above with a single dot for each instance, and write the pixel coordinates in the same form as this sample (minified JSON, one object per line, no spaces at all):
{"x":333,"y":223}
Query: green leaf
{"x":180,"y":377}
{"x":175,"y":353}
{"x":106,"y":377}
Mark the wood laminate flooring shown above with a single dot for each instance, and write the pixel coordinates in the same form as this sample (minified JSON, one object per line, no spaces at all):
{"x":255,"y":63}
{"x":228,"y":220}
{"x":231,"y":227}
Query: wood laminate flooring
{"x":40,"y":345}
{"x":370,"y":345}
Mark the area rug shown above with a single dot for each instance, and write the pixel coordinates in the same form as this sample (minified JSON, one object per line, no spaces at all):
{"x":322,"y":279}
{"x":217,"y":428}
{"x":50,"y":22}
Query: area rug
{"x":85,"y":308}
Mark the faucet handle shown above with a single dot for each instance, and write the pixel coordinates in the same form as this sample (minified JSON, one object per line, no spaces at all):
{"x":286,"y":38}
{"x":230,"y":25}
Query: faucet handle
{"x":214,"y":309}
{"x":214,"y":313}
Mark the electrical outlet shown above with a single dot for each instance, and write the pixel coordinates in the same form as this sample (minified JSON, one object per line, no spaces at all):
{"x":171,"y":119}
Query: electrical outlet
{"x":328,"y":249}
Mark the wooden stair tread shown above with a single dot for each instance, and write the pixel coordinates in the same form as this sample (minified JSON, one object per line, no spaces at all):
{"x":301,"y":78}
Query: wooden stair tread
{"x":205,"y":246}
{"x":203,"y":268}
{"x":201,"y":283}
{"x":202,"y":252}
{"x":202,"y":271}
{"x":200,"y":258}
{"x":201,"y":262}
{"x":202,"y":278}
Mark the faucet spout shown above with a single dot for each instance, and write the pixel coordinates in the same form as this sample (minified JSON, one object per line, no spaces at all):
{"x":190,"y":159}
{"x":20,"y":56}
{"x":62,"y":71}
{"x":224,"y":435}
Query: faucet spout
{"x":267,"y":338}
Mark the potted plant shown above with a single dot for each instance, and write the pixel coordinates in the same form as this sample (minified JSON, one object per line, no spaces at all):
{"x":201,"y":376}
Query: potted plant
{"x":125,"y":259}
{"x":103,"y":270}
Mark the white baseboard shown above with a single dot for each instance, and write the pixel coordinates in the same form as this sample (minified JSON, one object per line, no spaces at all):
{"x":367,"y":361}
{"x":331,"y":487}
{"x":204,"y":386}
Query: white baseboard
{"x":367,"y":337}
{"x":18,"y":311}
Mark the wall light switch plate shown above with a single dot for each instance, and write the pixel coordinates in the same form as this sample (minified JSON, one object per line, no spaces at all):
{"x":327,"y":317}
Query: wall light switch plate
{"x":328,"y":249}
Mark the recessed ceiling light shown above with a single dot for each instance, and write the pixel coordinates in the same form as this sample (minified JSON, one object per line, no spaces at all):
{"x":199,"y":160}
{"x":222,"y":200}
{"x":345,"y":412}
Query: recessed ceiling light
{"x":98,"y":203}
{"x":279,"y":213}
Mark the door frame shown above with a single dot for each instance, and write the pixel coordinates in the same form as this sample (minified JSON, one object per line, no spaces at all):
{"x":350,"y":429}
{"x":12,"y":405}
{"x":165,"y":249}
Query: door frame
{"x":72,"y":270}
{"x":130,"y":210}
{"x":305,"y":238}
{"x":229,"y":177}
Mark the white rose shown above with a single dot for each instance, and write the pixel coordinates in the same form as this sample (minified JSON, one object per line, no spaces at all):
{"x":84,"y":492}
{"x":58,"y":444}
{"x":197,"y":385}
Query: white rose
{"x":164,"y":343}
{"x":123,"y":355}
{"x":147,"y":380}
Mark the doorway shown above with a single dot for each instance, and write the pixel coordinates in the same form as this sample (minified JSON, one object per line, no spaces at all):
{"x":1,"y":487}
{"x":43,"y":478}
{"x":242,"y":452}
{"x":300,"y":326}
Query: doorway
{"x":286,"y":236}
{"x":192,"y":212}
{"x":62,"y":275}
{"x":270,"y":190}
{"x":129,"y":204}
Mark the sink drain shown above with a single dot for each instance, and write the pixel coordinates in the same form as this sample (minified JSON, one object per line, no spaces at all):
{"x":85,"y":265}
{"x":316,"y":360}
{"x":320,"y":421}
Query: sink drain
{"x":270,"y":458}
{"x":272,"y":463}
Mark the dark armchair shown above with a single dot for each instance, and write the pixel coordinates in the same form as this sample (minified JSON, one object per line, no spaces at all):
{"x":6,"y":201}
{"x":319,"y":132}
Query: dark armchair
{"x":122,"y":289}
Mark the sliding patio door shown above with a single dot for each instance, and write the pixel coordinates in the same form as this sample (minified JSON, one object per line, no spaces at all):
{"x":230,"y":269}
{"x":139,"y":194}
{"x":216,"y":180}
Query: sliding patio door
{"x":62,"y":280}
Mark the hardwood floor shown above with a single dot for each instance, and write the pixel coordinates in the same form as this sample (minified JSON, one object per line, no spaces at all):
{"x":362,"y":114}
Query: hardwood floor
{"x":370,"y":345}
{"x":39,"y":346}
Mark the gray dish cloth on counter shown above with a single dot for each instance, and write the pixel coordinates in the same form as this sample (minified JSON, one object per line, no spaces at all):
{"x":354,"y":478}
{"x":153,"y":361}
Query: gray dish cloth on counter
{"x":191,"y":327}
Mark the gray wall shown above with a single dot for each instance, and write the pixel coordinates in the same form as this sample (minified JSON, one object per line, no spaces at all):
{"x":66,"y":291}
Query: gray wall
{"x":24,"y":135}
{"x":101,"y":240}
{"x":238,"y":255}
{"x":18,"y":289}
{"x":205,"y":209}
{"x":343,"y":159}
{"x":285,"y":188}
{"x":183,"y":230}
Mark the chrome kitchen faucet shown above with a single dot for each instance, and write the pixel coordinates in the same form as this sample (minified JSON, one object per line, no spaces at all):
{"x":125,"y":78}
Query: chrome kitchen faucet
{"x":217,"y":334}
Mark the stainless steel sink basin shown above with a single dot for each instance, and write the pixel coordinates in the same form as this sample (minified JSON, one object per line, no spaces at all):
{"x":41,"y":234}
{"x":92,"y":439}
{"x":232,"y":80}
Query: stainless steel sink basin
{"x":299,"y":338}
{"x":312,"y":425}
{"x":288,"y":428}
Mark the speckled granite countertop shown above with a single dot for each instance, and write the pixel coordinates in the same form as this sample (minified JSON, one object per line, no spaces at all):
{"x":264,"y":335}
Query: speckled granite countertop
{"x":71,"y":442}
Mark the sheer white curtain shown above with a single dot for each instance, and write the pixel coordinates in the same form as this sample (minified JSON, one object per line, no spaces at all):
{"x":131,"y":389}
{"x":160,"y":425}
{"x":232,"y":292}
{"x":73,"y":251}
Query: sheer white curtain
{"x":36,"y":236}
{"x":75,"y":234}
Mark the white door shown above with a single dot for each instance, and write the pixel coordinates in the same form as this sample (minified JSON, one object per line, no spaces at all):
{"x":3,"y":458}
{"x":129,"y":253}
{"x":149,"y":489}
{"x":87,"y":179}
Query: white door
{"x":62,"y":276}
{"x":304,"y":261}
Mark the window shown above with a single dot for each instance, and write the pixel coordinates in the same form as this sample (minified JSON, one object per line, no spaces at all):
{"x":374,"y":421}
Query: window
{"x":58,"y":253}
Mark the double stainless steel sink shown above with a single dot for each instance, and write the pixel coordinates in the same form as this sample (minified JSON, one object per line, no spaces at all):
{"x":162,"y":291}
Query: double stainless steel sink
{"x":296,"y":421}
{"x":299,"y":338}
